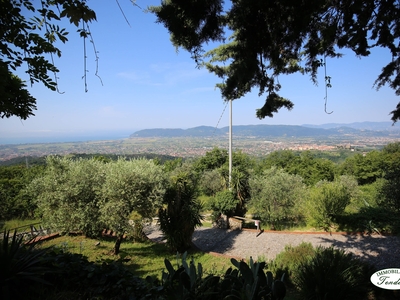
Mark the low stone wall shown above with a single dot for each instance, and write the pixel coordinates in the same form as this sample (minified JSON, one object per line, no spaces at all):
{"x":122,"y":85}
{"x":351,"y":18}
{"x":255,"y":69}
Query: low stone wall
{"x":235,"y":224}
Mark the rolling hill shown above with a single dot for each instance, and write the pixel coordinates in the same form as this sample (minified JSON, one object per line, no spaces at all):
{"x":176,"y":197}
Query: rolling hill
{"x":261,"y":131}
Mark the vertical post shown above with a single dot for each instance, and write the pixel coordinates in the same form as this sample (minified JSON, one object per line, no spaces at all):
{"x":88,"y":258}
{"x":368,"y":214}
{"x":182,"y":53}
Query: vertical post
{"x":230,"y":144}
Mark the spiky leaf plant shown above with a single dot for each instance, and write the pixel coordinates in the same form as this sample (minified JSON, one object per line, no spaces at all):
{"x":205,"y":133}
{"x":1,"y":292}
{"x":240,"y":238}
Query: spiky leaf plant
{"x":20,"y":267}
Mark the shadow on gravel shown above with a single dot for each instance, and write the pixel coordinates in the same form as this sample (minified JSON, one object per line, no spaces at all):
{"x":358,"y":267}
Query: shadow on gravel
{"x":215,"y":239}
{"x":381,"y":251}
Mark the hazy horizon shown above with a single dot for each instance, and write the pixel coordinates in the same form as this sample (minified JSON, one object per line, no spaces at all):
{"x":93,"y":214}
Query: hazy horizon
{"x":37,"y":137}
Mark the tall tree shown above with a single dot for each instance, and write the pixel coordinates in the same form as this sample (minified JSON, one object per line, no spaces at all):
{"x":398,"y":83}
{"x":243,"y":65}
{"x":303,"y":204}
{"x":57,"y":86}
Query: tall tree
{"x":212,"y":160}
{"x":367,"y":168}
{"x":259,"y":40}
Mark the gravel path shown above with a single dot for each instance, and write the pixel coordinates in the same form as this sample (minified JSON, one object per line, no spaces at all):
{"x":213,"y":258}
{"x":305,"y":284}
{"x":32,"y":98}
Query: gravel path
{"x":382,"y":251}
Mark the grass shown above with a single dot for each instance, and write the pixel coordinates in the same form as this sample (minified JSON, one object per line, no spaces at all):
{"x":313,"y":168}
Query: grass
{"x":142,"y":259}
{"x":19,"y":224}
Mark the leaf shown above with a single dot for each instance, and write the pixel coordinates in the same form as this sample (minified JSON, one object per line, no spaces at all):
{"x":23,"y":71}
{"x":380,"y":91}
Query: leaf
{"x":169,"y":267}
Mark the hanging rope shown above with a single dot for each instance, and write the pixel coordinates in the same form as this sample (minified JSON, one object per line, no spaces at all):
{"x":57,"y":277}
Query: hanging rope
{"x":84,"y":55}
{"x":122,"y":11}
{"x":327,"y":85}
{"x":96,"y":55}
{"x":223,"y":111}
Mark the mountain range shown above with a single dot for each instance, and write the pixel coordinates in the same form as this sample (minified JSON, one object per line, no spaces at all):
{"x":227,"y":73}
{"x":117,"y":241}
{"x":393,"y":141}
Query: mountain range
{"x":367,"y":129}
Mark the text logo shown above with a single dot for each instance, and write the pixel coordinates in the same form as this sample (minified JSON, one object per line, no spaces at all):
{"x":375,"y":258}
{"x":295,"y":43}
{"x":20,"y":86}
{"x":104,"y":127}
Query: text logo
{"x":388,"y":279}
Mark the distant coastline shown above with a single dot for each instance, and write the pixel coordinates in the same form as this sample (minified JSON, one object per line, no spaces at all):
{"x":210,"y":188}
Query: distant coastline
{"x":106,"y":135}
{"x":64,"y":137}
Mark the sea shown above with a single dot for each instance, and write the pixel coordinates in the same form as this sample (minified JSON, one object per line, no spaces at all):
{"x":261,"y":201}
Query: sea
{"x":65,"y":137}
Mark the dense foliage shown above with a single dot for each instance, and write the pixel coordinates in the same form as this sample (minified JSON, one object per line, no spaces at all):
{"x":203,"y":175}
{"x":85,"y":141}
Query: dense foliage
{"x":67,"y":195}
{"x":90,"y":195}
{"x":326,"y":201}
{"x":15,"y":202}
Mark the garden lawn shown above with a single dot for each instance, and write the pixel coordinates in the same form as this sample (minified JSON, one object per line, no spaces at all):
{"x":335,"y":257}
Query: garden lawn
{"x":18,"y":224}
{"x":142,"y":259}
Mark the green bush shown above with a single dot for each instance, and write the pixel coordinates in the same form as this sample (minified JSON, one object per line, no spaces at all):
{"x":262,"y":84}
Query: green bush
{"x":370,"y":220}
{"x":333,"y":274}
{"x":224,"y":202}
{"x":288,"y":261}
{"x":327,"y":200}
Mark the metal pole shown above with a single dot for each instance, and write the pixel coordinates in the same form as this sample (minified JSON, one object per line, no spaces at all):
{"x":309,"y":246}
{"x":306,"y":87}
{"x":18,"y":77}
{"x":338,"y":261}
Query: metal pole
{"x":230,"y":144}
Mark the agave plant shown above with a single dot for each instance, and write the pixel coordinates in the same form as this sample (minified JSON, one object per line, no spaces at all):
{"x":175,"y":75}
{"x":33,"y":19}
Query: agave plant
{"x":245,"y":282}
{"x":20,"y":266}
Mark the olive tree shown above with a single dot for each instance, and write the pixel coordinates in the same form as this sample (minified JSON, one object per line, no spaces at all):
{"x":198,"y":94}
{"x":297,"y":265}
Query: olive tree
{"x":276,"y":195}
{"x":130,"y":186}
{"x":67,"y":195}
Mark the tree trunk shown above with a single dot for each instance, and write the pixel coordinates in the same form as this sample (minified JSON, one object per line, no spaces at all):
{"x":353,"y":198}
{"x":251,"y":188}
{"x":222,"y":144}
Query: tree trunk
{"x":117,"y":244}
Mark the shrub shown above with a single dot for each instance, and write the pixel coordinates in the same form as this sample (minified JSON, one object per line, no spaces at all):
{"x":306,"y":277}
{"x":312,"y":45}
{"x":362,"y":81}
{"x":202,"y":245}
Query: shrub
{"x":288,"y":261}
{"x":333,"y":274}
{"x":224,"y":203}
{"x":327,"y":200}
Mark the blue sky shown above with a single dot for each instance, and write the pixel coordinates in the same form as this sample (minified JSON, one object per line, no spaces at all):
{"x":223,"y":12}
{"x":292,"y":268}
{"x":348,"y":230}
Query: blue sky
{"x":148,"y":84}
